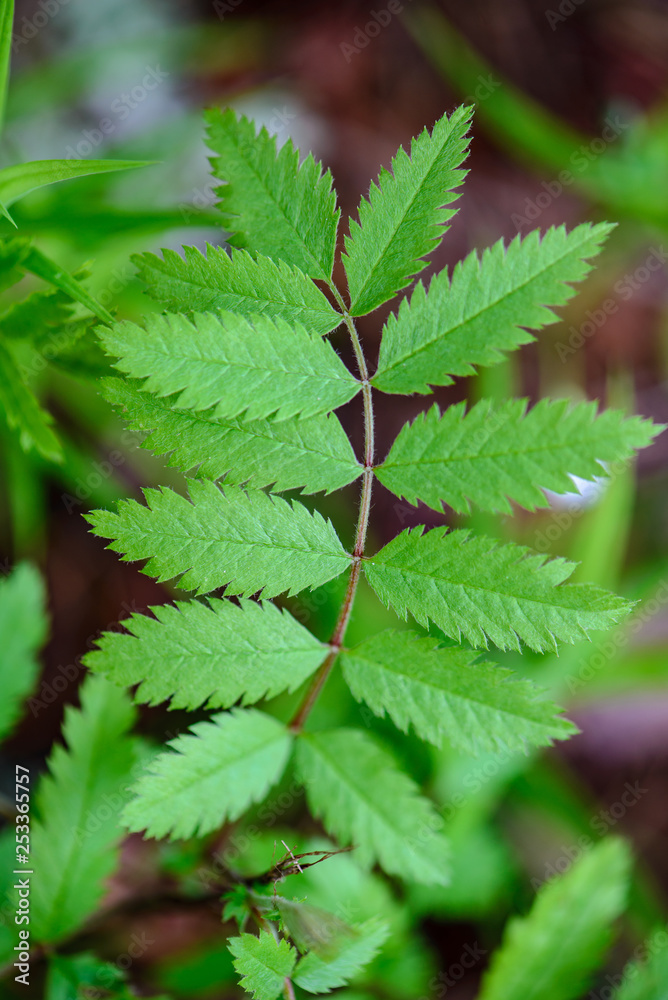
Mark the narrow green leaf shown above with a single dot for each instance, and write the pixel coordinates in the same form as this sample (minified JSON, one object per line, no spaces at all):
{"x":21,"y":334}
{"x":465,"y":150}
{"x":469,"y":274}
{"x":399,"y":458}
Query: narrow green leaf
{"x":315,"y":975}
{"x":354,"y":786}
{"x":552,"y":953}
{"x":23,"y":413}
{"x":20,"y":180}
{"x":257,"y":368}
{"x":12,"y":252}
{"x":270,"y":203}
{"x":37,"y":263}
{"x":497,"y":452}
{"x":647,"y":980}
{"x":23,"y":629}
{"x":485,"y":309}
{"x":405,"y":217}
{"x":34,"y":317}
{"x":447,"y":696}
{"x":263,"y":963}
{"x":216,"y":653}
{"x":79,"y":801}
{"x":250,"y":541}
{"x":6,"y":23}
{"x":475,"y":587}
{"x":236,"y":283}
{"x":211,"y":775}
{"x":313,"y":454}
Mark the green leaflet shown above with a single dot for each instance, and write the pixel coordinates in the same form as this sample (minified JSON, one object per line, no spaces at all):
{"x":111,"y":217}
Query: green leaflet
{"x":354,"y":786}
{"x":449,"y":697}
{"x":552,"y":952}
{"x":236,"y":283}
{"x":215,"y":653}
{"x":404,"y":217}
{"x":470,"y":320}
{"x":23,"y":413}
{"x":38,"y":263}
{"x":312,"y":454}
{"x":72,"y":844}
{"x":263,"y":963}
{"x":34,"y":318}
{"x":270,"y":202}
{"x":81,"y":976}
{"x":248,"y":541}
{"x":315,"y":975}
{"x":211,"y":775}
{"x":496,"y":452}
{"x":224,"y":361}
{"x":647,"y":980}
{"x":21,"y":179}
{"x":23,"y":629}
{"x":475,"y":587}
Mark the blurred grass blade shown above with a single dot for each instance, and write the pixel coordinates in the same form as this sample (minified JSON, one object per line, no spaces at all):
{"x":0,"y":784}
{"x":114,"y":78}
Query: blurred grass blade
{"x":6,"y":22}
{"x":5,"y":213}
{"x":21,"y":179}
{"x":516,"y":121}
{"x":38,"y":263}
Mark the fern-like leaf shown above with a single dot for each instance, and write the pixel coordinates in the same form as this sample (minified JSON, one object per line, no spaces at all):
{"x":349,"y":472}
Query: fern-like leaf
{"x":250,"y":541}
{"x":353,"y":784}
{"x":312,"y":454}
{"x":211,"y":775}
{"x":23,"y":628}
{"x":405,"y":216}
{"x":224,"y":361}
{"x":236,"y":283}
{"x":316,"y":975}
{"x":216,"y":653}
{"x":552,"y":953}
{"x":79,"y":802}
{"x":497,"y":452}
{"x":269,"y":202}
{"x":445,"y":695}
{"x":23,"y":412}
{"x":475,"y":587}
{"x":263,"y":963}
{"x":484,"y":310}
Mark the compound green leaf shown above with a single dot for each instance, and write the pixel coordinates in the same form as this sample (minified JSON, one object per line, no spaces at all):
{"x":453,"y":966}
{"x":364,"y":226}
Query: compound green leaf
{"x":312,"y":453}
{"x":73,"y":842}
{"x":316,"y":975}
{"x":23,"y":412}
{"x":263,"y":963}
{"x":237,"y":366}
{"x":23,"y":629}
{"x":485,"y":309}
{"x":272,"y":204}
{"x":216,"y":653}
{"x":354,"y":786}
{"x":496,"y":452}
{"x":552,"y":953}
{"x":236,"y":283}
{"x":248,"y":541}
{"x":447,"y":696}
{"x":212,"y":774}
{"x":405,"y":216}
{"x":474,"y":587}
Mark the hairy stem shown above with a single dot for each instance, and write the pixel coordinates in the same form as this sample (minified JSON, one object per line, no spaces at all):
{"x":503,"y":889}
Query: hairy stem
{"x":339,"y":632}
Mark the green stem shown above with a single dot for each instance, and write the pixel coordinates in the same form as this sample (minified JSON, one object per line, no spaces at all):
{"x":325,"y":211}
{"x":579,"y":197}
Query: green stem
{"x":339,"y":633}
